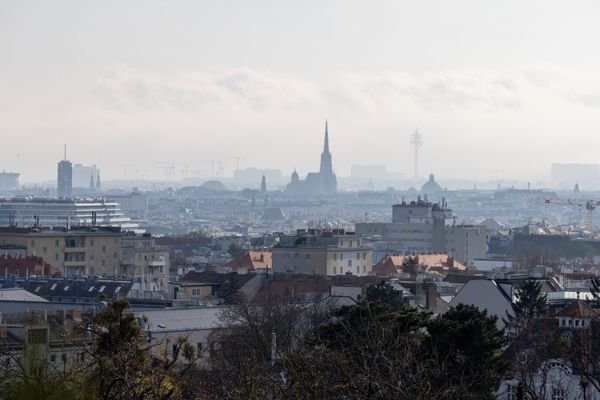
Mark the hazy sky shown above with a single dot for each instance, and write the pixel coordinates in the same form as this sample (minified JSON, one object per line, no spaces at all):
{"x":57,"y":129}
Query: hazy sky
{"x":497,"y":88}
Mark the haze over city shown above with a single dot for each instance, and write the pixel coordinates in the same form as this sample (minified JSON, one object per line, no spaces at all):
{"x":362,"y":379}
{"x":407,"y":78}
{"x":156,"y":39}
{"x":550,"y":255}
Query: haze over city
{"x":497,"y":89}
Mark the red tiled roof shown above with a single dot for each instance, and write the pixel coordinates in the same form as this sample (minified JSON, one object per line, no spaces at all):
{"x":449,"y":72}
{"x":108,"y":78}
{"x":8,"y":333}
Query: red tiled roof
{"x":27,"y":266}
{"x":252,"y":260}
{"x":392,"y":264}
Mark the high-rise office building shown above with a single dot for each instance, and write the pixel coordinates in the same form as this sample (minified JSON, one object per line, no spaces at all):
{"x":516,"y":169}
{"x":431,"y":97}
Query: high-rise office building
{"x":64,"y":187}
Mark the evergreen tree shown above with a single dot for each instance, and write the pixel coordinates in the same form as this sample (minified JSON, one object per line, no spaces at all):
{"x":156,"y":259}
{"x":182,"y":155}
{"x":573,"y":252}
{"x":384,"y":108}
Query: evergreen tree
{"x":384,"y":293}
{"x":531,"y":302}
{"x":595,"y":289}
{"x":410,"y":265}
{"x":464,"y":355}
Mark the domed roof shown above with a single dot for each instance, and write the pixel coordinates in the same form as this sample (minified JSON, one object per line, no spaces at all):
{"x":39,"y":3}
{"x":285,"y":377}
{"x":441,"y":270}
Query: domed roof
{"x":295,"y":176}
{"x":431,"y":186}
{"x":577,"y":189}
{"x":215,"y":186}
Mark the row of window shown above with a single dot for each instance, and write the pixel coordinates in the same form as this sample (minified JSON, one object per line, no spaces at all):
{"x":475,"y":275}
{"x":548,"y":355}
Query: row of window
{"x":364,"y":268}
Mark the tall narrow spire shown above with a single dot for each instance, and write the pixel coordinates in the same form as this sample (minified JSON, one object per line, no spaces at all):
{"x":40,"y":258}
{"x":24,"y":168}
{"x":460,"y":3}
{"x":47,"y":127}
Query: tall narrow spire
{"x":65,"y":153}
{"x":326,"y":144}
{"x":326,"y":167}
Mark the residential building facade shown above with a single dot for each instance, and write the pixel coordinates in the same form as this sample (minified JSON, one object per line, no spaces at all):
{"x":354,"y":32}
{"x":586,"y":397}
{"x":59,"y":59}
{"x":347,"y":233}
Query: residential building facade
{"x":81,"y":251}
{"x":322,"y":252}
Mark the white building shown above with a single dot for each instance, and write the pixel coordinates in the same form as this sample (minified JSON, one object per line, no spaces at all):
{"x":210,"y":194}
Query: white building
{"x":31,"y":211}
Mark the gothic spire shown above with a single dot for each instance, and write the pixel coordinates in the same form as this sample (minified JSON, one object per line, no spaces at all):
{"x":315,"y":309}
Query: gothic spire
{"x":326,"y":144}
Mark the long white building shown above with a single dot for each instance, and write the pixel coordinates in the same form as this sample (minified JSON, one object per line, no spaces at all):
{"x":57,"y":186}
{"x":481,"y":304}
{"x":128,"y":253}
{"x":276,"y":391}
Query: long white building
{"x":31,"y":211}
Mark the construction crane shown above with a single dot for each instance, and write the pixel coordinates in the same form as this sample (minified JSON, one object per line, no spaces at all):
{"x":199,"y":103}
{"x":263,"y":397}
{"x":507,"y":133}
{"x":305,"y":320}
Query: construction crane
{"x":237,"y":161}
{"x":590,"y":206}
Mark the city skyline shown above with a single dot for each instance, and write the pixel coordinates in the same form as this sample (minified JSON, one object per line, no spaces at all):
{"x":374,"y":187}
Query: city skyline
{"x":492,"y":87}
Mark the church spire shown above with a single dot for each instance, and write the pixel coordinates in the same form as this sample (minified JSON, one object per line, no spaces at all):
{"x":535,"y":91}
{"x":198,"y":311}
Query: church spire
{"x":326,"y":144}
{"x":326,"y":168}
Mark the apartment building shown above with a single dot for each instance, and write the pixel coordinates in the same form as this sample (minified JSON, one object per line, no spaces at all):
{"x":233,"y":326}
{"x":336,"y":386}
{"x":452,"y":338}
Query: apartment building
{"x":75,"y":252}
{"x":423,"y":227}
{"x":146,"y":263}
{"x":322,"y":252}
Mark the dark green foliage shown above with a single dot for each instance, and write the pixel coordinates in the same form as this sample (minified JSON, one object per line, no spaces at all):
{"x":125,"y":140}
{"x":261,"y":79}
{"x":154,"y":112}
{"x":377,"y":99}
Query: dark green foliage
{"x":410,"y":265}
{"x":384,"y":293}
{"x":229,"y":289}
{"x":235,"y":250}
{"x":595,"y":289}
{"x":465,"y":341}
{"x":531,"y":302}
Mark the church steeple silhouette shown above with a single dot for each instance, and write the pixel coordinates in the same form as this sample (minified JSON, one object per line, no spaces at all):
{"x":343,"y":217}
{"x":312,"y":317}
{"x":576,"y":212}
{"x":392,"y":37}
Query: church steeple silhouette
{"x":326,"y":165}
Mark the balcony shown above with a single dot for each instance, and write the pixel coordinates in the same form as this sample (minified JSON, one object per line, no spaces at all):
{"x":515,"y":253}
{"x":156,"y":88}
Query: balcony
{"x":75,"y":249}
{"x":69,"y":264}
{"x":156,"y":263}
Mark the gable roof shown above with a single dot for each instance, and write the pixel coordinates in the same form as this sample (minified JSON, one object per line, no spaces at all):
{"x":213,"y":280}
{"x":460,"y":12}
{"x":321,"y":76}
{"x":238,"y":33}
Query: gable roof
{"x":252,"y":261}
{"x":393,"y":264}
{"x":26,"y":266}
{"x":578,"y":309}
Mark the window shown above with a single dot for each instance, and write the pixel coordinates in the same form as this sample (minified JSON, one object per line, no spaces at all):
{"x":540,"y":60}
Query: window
{"x":45,"y":249}
{"x":364,"y":269}
{"x":335,"y":270}
{"x":364,"y":256}
{"x":104,"y":249}
{"x":91,"y":242}
{"x":342,"y":270}
{"x":559,"y":394}
{"x":341,"y":256}
{"x":53,"y":358}
{"x":195,"y":292}
{"x":511,"y":392}
{"x":199,"y":346}
{"x":56,"y":257}
{"x":334,"y":256}
{"x":358,"y":256}
{"x":349,"y":263}
{"x":56,"y":245}
{"x":358,"y":269}
{"x":175,"y":350}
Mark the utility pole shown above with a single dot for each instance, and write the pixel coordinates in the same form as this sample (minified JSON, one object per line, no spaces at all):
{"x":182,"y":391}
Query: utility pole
{"x":416,"y":140}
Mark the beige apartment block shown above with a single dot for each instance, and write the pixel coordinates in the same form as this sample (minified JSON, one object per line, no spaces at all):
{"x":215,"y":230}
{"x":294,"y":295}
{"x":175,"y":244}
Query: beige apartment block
{"x":81,"y":251}
{"x":322,"y":252}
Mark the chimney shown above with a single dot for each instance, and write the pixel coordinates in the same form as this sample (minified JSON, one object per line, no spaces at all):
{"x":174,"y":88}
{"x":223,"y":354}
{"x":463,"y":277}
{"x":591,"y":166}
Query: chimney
{"x":76,"y":314}
{"x":431,"y":296}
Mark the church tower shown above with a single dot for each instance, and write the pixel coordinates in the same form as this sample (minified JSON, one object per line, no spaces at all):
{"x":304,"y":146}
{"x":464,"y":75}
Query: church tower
{"x":326,"y":166}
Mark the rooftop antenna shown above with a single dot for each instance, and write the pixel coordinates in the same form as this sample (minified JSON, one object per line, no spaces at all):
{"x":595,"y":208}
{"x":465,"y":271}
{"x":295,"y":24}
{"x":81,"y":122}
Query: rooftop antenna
{"x":65,"y":152}
{"x":416,"y":140}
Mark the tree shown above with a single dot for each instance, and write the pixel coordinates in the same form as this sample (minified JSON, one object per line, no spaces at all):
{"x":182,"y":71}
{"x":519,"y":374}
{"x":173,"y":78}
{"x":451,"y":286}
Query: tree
{"x":247,"y":354}
{"x":464,"y":345}
{"x":114,"y":359}
{"x":384,"y":293}
{"x":531,"y":302}
{"x":235,"y":250}
{"x":595,"y":289}
{"x":122,"y":362}
{"x":410,"y":265}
